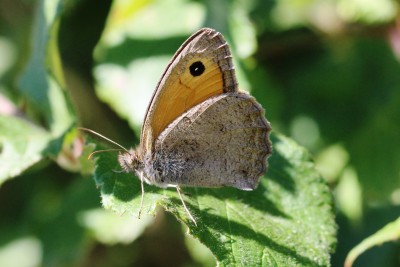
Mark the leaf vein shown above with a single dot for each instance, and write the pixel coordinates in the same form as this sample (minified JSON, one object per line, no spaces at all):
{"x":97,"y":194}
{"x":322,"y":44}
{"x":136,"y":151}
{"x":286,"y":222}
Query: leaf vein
{"x":230,"y":230}
{"x":244,"y":219}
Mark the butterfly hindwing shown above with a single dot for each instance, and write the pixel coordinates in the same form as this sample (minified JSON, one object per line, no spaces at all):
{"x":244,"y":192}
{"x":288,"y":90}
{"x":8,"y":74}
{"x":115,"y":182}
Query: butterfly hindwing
{"x":221,"y":142}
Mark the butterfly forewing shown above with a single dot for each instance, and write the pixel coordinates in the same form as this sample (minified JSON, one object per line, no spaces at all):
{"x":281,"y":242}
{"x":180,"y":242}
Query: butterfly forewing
{"x":201,"y":68}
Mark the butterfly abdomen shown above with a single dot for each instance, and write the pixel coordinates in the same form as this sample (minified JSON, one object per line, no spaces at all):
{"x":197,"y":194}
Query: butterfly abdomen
{"x":164,"y":169}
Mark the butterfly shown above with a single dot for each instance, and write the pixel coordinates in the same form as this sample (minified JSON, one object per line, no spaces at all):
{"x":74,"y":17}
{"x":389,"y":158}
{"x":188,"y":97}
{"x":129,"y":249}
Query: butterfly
{"x":199,"y":129}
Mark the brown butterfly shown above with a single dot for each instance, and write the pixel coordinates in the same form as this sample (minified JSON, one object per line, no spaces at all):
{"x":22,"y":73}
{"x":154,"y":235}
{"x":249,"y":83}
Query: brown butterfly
{"x":199,"y":130}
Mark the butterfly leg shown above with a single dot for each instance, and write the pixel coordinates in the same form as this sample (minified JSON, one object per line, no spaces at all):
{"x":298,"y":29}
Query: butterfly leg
{"x":178,"y":189}
{"x":141,"y":200}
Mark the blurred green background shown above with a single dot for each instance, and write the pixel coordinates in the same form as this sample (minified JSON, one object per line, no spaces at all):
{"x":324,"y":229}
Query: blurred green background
{"x":326,"y":71}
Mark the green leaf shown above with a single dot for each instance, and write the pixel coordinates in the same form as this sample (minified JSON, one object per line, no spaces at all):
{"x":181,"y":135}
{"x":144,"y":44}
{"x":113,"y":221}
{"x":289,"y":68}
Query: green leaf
{"x":42,"y":81}
{"x":286,"y":221}
{"x":390,"y":232}
{"x":21,"y":146}
{"x":42,"y":86}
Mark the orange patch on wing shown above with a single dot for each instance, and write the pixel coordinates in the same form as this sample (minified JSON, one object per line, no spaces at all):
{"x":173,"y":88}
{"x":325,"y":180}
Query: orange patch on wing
{"x":184,"y":91}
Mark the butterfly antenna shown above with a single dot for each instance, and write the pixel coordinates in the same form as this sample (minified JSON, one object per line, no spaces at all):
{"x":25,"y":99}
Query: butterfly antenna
{"x":105,"y":138}
{"x":178,"y":189}
{"x":100,"y":151}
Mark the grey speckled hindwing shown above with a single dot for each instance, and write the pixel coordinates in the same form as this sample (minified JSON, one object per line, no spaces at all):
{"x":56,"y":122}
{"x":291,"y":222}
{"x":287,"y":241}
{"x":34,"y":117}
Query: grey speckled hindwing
{"x":223,"y":141}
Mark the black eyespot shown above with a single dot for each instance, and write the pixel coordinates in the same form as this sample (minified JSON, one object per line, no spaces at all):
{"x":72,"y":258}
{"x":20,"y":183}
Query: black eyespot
{"x":197,"y":68}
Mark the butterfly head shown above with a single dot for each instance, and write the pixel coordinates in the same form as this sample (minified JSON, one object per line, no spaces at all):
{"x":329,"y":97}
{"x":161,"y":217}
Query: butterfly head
{"x":130,"y":161}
